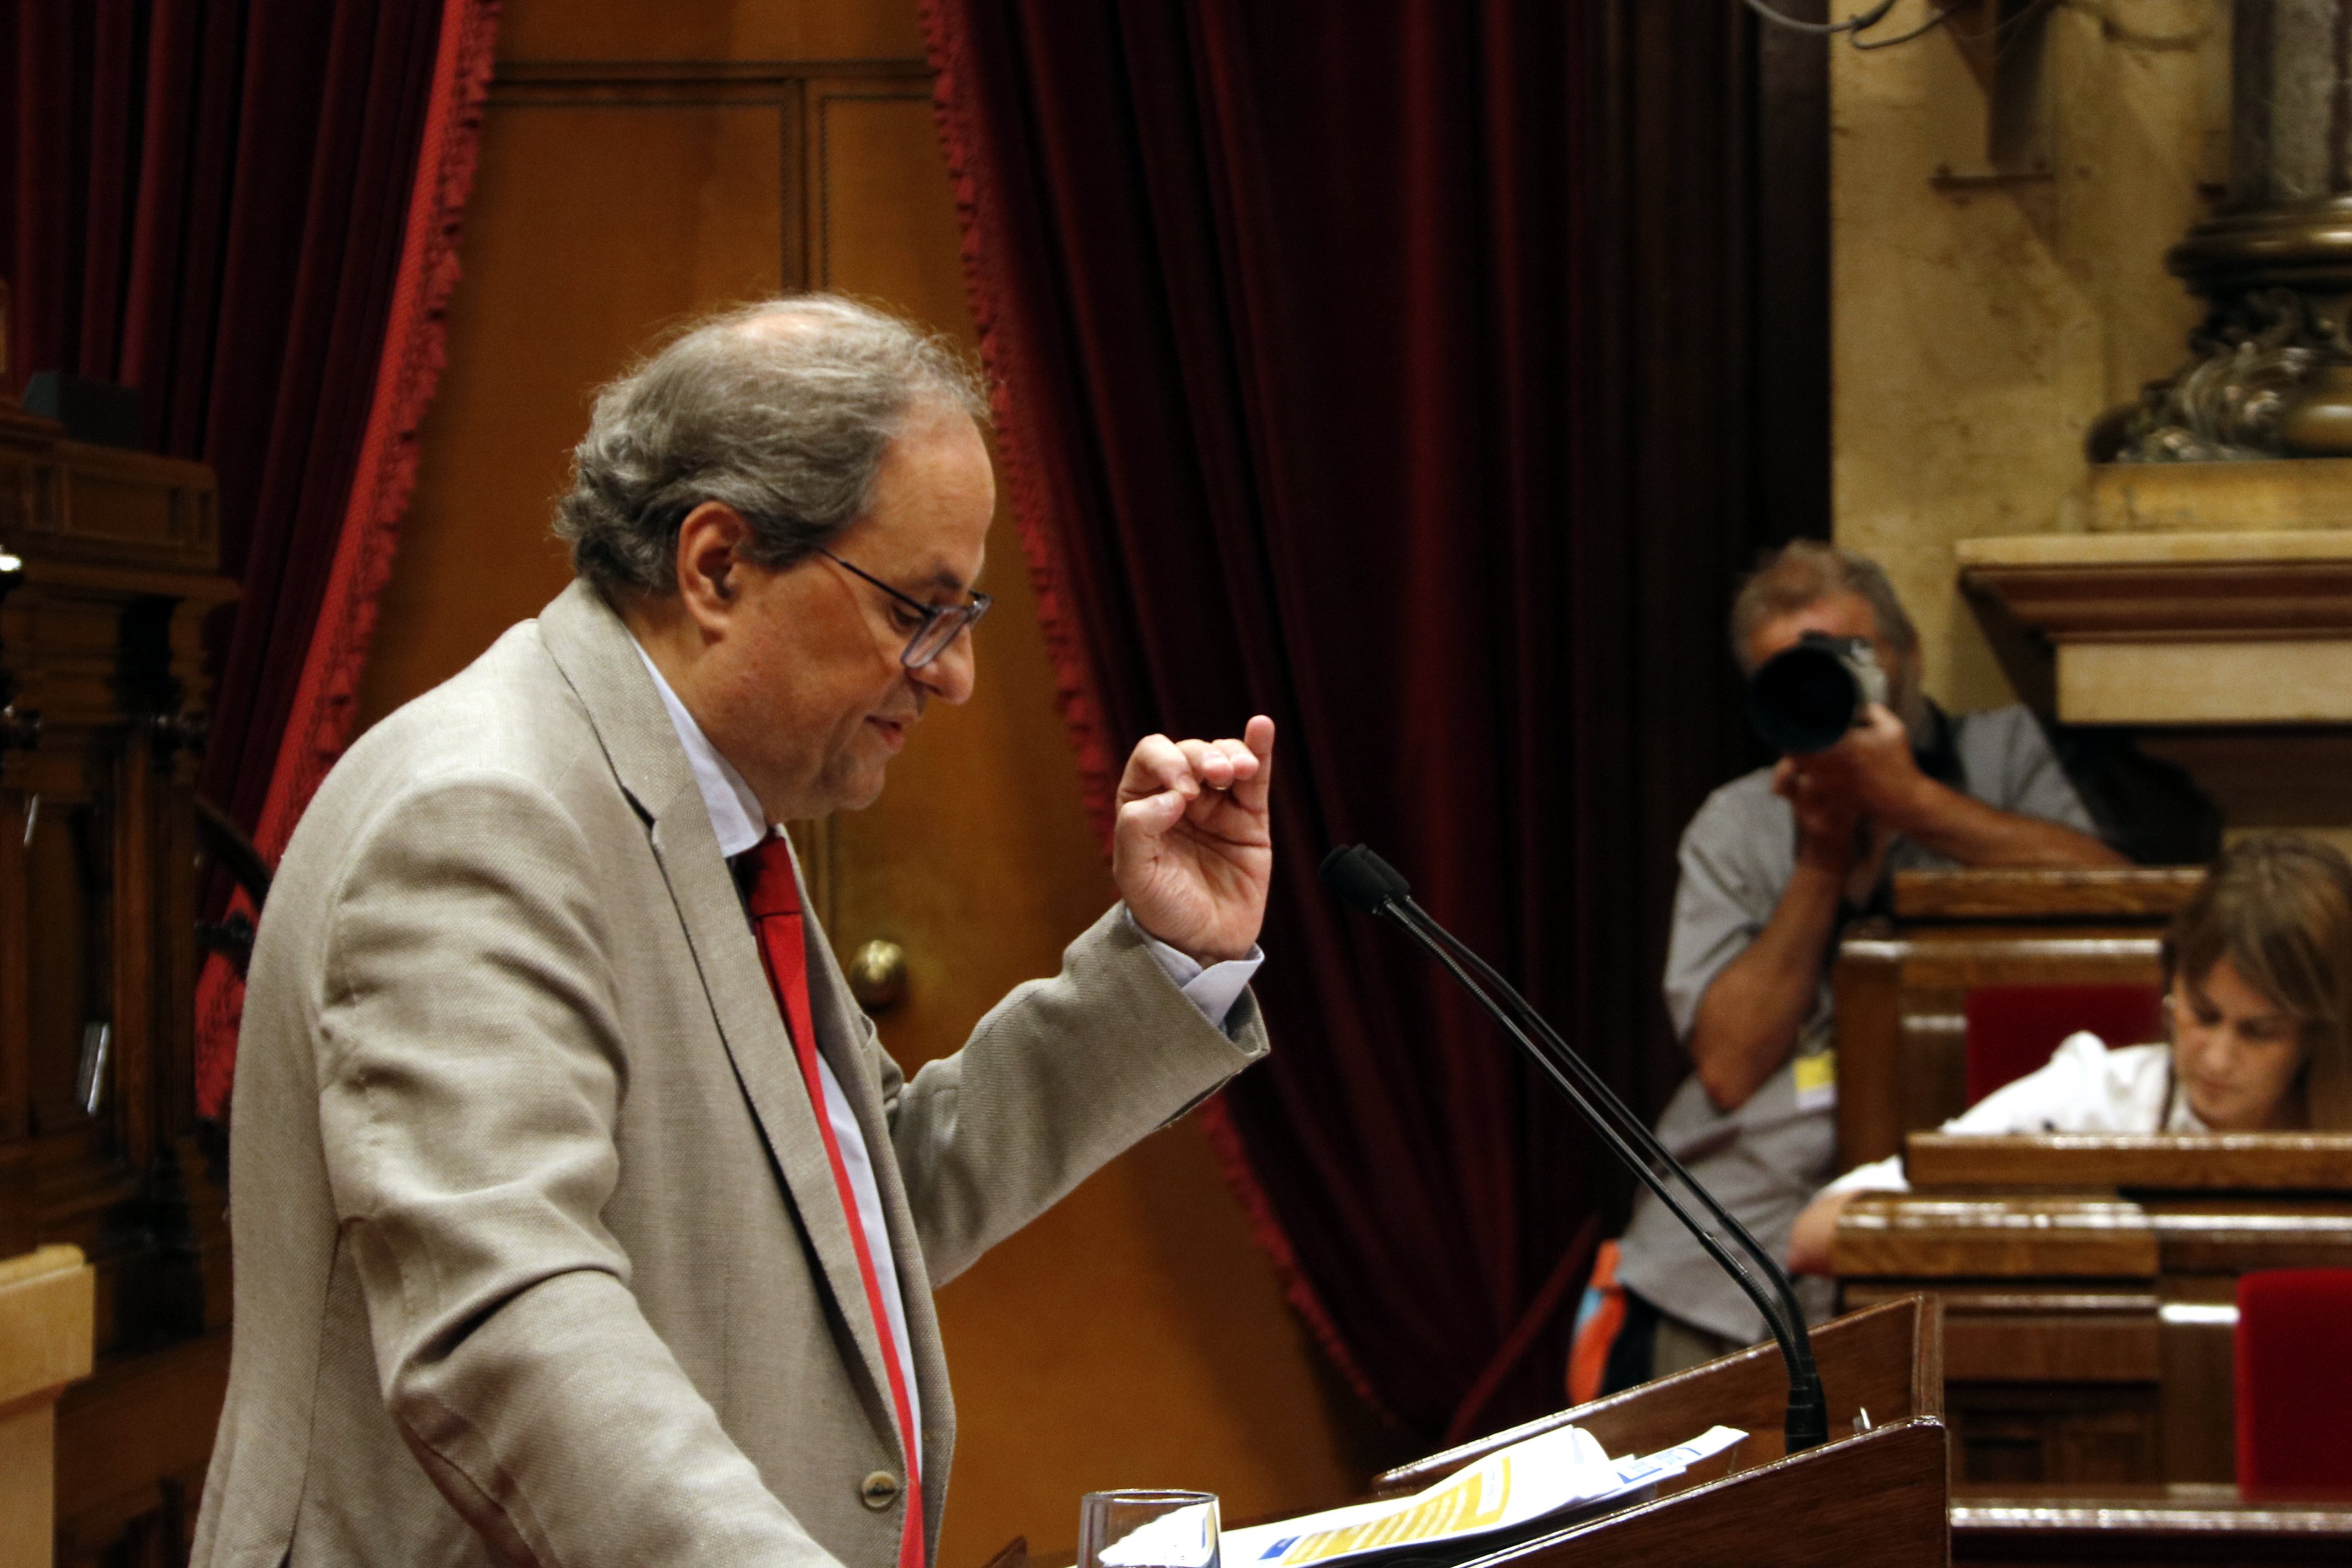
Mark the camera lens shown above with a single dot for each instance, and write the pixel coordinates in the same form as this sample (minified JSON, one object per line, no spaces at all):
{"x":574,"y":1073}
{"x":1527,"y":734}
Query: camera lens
{"x":1804,"y":698}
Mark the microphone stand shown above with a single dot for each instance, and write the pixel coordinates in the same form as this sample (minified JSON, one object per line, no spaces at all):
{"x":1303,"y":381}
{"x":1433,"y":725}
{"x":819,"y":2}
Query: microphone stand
{"x":1362,"y":878}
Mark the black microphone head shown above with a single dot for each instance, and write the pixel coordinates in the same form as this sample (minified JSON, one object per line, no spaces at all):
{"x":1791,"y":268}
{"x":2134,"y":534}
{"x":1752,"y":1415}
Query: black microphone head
{"x":1354,"y":873}
{"x":1391,"y":878}
{"x":1362,"y":878}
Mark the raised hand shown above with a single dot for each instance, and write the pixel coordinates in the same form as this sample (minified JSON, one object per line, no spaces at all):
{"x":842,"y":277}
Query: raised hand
{"x":1873,"y":766}
{"x":1191,"y":852}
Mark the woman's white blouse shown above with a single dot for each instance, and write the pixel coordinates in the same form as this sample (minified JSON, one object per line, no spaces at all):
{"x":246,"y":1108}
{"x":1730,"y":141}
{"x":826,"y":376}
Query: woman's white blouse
{"x":2082,"y":1088}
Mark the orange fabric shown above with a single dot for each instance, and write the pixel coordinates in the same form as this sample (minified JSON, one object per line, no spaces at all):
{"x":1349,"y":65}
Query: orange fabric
{"x":783,"y":949}
{"x":1596,"y":1329}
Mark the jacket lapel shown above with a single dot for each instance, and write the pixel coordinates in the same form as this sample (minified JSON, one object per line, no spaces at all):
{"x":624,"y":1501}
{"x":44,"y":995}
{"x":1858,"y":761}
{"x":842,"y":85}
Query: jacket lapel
{"x":599,"y":658}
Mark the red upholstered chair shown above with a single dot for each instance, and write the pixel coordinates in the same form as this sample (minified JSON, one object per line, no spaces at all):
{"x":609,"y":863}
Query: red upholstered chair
{"x":2294,"y":1378}
{"x":2012,"y":1030}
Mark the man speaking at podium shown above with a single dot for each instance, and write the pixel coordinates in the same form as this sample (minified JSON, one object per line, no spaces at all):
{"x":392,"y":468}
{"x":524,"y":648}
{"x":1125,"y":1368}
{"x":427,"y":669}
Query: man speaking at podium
{"x":579,"y":1215}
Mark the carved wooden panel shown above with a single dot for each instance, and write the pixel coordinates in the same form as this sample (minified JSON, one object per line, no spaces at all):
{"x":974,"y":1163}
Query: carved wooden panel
{"x":102,"y":696}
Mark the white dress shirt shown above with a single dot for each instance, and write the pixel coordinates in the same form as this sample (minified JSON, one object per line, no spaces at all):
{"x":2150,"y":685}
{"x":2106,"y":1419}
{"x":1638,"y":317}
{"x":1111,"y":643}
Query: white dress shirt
{"x":739,"y":824}
{"x":2082,"y":1088}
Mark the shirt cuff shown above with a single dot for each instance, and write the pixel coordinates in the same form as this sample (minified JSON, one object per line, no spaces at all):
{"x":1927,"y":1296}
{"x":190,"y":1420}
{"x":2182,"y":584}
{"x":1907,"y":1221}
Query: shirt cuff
{"x":1213,"y":989}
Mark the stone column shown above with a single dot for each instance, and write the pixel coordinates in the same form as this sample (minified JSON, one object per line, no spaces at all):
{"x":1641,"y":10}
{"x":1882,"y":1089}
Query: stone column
{"x":2271,"y":375}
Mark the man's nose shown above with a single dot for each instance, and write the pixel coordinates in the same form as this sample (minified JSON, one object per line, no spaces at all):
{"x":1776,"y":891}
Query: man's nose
{"x":949,"y":677}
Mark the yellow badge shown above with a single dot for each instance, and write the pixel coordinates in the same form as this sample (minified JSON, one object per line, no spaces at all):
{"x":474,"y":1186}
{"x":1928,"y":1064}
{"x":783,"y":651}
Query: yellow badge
{"x":1817,"y":1080}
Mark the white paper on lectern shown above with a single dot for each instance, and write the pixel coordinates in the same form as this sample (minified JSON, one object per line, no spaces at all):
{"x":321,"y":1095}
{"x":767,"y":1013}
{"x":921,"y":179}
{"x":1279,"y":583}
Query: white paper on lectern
{"x":1548,"y":1473}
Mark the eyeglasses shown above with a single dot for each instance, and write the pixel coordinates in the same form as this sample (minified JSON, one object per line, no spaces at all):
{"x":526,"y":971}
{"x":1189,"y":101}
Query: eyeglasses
{"x":941,"y":624}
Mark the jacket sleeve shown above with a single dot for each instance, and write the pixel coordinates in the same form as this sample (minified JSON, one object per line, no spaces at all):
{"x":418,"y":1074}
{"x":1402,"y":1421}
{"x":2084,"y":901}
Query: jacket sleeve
{"x":1057,"y":1079}
{"x":470,"y":1074}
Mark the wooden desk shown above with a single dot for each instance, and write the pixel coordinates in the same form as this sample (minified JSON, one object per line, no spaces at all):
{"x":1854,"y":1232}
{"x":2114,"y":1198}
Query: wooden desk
{"x":1902,"y":981}
{"x":2148,"y":1524}
{"x":46,"y":1310}
{"x":2089,"y":1288}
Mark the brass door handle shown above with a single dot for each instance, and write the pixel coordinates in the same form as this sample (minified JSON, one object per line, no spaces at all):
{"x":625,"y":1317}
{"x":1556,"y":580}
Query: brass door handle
{"x":878,"y":975}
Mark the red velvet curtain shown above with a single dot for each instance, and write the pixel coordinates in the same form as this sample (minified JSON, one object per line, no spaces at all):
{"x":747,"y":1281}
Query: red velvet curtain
{"x":1393,"y":368}
{"x":245,"y":209}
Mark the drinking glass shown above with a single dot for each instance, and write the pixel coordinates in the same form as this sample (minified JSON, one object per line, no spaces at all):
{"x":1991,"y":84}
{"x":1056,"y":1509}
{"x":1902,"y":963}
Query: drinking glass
{"x":1148,"y":1530}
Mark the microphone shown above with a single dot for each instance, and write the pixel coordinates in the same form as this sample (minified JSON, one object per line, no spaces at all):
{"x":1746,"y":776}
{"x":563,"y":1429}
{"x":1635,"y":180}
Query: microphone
{"x":1361,"y":878}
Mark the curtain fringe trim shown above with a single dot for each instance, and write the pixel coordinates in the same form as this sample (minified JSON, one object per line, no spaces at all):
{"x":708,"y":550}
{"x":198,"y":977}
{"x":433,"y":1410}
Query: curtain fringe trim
{"x":1225,"y":1142}
{"x":414,"y":353}
{"x":1032,"y":512}
{"x":1074,"y":698}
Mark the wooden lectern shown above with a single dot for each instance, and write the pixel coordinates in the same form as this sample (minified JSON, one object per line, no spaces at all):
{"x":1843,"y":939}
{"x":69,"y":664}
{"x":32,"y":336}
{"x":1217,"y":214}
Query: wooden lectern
{"x":1876,"y":1492}
{"x":47,"y":1311}
{"x":1873,"y":1494}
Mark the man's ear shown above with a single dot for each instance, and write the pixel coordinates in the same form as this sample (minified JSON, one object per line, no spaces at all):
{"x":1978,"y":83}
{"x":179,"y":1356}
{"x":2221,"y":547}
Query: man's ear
{"x":710,"y":562}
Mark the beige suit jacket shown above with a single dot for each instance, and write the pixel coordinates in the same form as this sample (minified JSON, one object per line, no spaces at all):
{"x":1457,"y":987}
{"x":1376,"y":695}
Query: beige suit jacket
{"x":537,"y":1247}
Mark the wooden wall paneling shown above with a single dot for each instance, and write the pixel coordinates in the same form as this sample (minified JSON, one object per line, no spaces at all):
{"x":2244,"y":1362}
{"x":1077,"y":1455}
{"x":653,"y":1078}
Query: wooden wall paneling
{"x":99,"y":635}
{"x":129,"y":953}
{"x":612,"y":201}
{"x":882,"y":224}
{"x":2047,"y":1380}
{"x":69,"y":892}
{"x":2069,"y":1434}
{"x":816,"y":32}
{"x":2050,"y":1334}
{"x":15,"y":979}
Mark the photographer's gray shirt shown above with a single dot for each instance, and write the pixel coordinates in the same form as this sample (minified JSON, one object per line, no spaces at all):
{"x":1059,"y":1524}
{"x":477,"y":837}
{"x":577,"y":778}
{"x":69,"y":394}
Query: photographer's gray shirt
{"x":1764,"y":1159}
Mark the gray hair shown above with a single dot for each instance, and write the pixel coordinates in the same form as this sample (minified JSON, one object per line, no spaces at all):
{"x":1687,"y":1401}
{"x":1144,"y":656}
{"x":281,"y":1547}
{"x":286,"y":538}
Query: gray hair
{"x":782,"y":411}
{"x":1802,"y":573}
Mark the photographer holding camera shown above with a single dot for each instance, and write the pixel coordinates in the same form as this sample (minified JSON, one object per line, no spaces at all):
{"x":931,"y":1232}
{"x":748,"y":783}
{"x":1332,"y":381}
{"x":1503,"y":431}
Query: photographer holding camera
{"x":1876,"y":779}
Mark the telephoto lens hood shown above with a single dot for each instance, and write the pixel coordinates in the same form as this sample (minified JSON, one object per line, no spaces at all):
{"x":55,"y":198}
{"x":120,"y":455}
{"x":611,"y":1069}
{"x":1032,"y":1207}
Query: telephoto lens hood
{"x":1804,"y":698}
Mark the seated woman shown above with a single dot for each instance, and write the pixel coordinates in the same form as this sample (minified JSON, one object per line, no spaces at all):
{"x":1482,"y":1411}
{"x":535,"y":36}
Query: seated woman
{"x":2259,"y":964}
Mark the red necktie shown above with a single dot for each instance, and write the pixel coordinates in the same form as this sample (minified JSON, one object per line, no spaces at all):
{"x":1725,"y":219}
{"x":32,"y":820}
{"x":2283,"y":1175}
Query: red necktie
{"x":783,"y":949}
